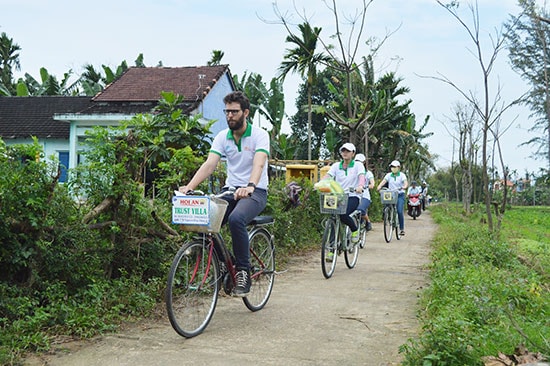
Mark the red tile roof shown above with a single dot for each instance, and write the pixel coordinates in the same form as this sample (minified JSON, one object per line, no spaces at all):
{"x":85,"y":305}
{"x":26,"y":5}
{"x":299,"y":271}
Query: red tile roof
{"x":193,"y":83}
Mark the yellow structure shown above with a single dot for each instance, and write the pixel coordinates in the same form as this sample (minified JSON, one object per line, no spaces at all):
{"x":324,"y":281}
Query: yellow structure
{"x":324,"y":170}
{"x":294,"y":171}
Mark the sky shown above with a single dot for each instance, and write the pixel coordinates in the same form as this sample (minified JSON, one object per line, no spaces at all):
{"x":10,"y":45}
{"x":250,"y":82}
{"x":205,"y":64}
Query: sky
{"x":425,"y":42}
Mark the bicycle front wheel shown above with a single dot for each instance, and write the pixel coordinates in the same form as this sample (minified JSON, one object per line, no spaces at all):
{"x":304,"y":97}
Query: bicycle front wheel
{"x":192,"y":288}
{"x":388,"y":223}
{"x":351,"y":255}
{"x":352,"y":251}
{"x":329,"y":248}
{"x":262,"y":271}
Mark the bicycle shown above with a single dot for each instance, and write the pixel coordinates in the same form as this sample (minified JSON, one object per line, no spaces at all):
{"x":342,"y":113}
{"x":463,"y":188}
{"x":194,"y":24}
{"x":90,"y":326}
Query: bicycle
{"x":336,"y":240}
{"x":389,"y":214}
{"x":204,"y":265}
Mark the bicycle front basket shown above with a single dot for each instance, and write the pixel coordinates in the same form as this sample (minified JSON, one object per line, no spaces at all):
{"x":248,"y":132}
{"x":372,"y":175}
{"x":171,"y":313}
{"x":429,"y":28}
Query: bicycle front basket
{"x":388,"y":197}
{"x":334,"y":203}
{"x":199,"y":214}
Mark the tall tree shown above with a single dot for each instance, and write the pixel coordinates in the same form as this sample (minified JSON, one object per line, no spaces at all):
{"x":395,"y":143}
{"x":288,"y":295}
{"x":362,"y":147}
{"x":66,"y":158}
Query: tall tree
{"x":326,"y":136}
{"x":303,"y":59}
{"x":351,"y":110}
{"x":466,"y":135}
{"x":529,"y":45}
{"x":9,"y":61}
{"x":491,"y":108}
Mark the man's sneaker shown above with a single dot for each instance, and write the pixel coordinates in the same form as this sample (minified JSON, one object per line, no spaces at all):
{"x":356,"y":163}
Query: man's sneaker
{"x":369,"y":226}
{"x":242,"y":287}
{"x":402,"y":232}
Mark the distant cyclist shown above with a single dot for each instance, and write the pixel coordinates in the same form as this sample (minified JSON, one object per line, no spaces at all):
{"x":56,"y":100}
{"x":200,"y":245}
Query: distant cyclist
{"x":397,"y":181}
{"x":424,"y":195}
{"x":350,"y":174}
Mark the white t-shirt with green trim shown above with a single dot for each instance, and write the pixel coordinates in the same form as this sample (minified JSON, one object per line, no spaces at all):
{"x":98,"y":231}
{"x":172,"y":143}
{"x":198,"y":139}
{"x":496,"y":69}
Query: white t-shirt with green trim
{"x":368,"y":177}
{"x":240,"y":156}
{"x":348,"y":177}
{"x":396,"y":181}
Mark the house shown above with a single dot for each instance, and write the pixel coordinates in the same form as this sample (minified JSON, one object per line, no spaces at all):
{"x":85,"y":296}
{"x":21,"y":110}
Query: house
{"x":499,"y":185}
{"x":60,"y":122}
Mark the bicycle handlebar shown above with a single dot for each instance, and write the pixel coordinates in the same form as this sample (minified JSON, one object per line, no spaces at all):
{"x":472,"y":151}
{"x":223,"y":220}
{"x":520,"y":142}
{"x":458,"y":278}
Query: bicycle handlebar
{"x":391,"y":190}
{"x":229,"y":191}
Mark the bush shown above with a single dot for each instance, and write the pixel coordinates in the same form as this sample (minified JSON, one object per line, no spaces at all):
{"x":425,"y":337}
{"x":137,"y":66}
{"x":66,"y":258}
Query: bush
{"x":304,"y":219}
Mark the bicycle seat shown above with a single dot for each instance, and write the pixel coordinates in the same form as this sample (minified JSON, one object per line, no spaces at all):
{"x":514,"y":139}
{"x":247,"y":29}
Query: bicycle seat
{"x":259,"y":220}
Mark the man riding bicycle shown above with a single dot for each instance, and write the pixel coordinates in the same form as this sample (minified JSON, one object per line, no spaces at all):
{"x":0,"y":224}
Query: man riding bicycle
{"x":246,"y":148}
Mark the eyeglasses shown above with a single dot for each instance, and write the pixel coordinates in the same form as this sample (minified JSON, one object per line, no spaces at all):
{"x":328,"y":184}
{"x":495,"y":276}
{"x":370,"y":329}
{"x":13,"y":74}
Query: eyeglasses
{"x":231,"y":111}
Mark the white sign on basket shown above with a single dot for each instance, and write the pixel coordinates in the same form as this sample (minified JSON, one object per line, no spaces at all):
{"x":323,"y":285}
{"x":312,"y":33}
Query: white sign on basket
{"x":191,"y":210}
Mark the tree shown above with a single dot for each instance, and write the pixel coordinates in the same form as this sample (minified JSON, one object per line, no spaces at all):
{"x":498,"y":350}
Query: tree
{"x":326,"y":136}
{"x":92,"y":81}
{"x":9,"y":61}
{"x":216,"y":58}
{"x":303,"y":60}
{"x":48,"y":84}
{"x":491,"y":108}
{"x":529,"y":51}
{"x":354,"y":86}
{"x":466,"y":136}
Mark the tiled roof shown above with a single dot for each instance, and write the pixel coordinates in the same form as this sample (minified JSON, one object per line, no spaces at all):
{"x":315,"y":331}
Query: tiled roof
{"x":136,"y":91}
{"x":193,"y":83}
{"x":22,"y":117}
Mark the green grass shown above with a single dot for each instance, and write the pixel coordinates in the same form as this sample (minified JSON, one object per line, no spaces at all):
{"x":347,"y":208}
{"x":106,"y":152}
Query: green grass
{"x":486,"y":295}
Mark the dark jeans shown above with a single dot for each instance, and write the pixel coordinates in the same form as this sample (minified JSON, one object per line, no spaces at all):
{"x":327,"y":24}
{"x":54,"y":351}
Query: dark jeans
{"x":239,"y":213}
{"x":353,"y":202}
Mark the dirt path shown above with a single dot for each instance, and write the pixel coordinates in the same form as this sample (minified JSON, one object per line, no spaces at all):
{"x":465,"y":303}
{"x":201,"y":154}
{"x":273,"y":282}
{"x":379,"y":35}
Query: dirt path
{"x":358,"y":317}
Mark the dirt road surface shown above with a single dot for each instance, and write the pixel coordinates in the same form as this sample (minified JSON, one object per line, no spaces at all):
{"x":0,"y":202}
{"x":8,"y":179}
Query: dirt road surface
{"x":358,"y":317}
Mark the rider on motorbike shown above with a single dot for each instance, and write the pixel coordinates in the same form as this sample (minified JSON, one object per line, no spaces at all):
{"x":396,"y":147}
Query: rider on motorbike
{"x":413,"y":193}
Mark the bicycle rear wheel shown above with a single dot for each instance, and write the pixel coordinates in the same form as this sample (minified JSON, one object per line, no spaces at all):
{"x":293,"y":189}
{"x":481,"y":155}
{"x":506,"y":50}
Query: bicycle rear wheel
{"x":363,"y":234}
{"x":329,"y":248}
{"x":388,"y":223}
{"x":262,"y":271}
{"x":192,"y":288}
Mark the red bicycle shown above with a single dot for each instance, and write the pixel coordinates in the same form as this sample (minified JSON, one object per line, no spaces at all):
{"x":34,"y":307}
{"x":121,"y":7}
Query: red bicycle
{"x":204,"y":265}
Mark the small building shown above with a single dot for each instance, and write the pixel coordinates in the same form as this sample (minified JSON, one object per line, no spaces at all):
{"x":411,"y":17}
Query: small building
{"x":60,"y":122}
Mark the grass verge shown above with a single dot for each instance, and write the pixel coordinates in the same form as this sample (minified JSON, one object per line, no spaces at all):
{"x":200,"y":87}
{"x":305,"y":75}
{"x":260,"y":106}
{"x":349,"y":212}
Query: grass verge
{"x":486,"y":295}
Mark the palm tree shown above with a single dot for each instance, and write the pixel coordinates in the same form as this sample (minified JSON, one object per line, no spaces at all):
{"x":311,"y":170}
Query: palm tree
{"x":304,"y":60}
{"x":216,"y":59}
{"x":9,"y":60}
{"x":92,"y":81}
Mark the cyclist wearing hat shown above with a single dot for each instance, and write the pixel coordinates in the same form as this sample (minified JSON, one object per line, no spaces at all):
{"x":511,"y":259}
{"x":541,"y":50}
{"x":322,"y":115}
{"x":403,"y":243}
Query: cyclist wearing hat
{"x":365,"y":199}
{"x":397,"y":181}
{"x":350,"y":175}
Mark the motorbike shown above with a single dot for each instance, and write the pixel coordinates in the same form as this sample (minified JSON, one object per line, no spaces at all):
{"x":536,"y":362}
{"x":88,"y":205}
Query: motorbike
{"x":414,"y":208}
